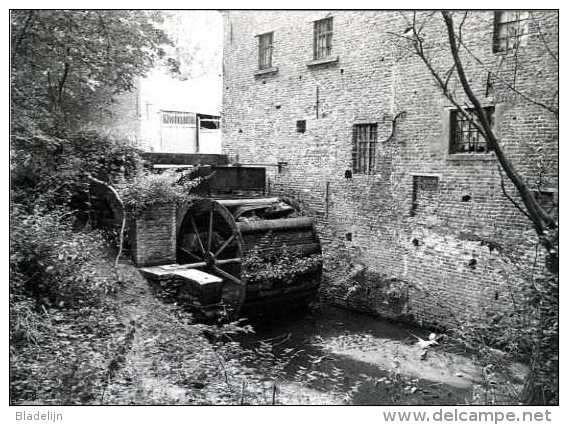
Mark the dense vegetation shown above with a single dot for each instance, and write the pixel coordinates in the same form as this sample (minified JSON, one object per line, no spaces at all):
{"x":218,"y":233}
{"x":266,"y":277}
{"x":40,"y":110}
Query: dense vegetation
{"x":66,"y":69}
{"x":84,"y":329}
{"x":69,"y":333}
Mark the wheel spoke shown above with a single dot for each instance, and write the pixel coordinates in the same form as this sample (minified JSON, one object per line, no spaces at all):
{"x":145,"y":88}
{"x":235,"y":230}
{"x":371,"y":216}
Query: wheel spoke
{"x":228,"y":261}
{"x":188,"y":252}
{"x":194,"y":265}
{"x":227,"y":275}
{"x":210,"y":234}
{"x":225,"y":244}
{"x":197,"y":234}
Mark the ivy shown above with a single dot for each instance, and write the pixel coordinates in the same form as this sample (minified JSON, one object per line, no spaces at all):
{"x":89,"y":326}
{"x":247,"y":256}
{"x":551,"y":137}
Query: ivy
{"x":271,"y":267}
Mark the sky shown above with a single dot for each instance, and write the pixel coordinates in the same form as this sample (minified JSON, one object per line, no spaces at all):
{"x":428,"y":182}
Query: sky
{"x":198,"y":45}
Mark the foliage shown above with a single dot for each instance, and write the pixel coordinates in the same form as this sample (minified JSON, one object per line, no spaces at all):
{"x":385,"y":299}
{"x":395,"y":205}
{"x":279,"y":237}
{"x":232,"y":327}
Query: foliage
{"x":191,"y":32}
{"x":68,"y":335}
{"x":68,"y":362}
{"x":523,"y":328}
{"x":67,"y":64}
{"x":62,"y":321}
{"x":50,"y":171}
{"x":271,"y":267}
{"x":52,"y":264}
{"x":146,"y":189}
{"x":66,"y":67}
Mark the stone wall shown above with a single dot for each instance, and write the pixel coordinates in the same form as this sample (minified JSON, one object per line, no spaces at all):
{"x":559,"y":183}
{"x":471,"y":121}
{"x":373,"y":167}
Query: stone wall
{"x":429,"y":234}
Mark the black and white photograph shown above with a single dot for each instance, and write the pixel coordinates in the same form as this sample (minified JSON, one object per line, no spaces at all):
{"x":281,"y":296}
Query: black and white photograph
{"x":285,"y":207}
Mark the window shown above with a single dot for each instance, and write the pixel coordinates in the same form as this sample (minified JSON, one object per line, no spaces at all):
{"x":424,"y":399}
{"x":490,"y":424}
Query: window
{"x":511,"y":29}
{"x":301,"y":126}
{"x":323,"y":30}
{"x":364,"y":148}
{"x":265,"y":50}
{"x":465,"y":138}
{"x":548,"y":200}
{"x":209,"y":122}
{"x":177,"y":118}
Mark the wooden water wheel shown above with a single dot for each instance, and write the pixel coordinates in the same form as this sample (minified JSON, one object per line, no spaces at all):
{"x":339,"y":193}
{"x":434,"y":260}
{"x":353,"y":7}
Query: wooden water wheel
{"x":208,"y":239}
{"x":215,"y":235}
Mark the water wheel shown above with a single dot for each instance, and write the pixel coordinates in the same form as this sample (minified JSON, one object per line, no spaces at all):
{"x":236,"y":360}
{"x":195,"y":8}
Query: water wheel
{"x":209,"y":240}
{"x":214,"y":236}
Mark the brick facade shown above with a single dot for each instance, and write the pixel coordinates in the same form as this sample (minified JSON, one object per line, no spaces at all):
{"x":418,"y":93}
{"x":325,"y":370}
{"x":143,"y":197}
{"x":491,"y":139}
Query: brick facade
{"x":152,"y":236}
{"x":425,"y":235}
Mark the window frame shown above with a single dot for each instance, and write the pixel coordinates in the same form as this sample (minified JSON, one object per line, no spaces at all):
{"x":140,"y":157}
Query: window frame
{"x":177,"y":118}
{"x":263,"y":48}
{"x":325,"y":34}
{"x":366,"y":163}
{"x":520,"y":21}
{"x":453,"y":140}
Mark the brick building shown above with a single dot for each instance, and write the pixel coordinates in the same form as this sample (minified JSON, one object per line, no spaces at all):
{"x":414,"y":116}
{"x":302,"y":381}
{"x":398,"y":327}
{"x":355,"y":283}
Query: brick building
{"x":414,"y":224}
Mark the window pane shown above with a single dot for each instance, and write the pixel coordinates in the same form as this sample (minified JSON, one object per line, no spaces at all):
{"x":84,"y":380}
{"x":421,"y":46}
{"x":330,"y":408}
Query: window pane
{"x":265,"y":51}
{"x":466,"y":137}
{"x":511,"y":29}
{"x":364,"y":149}
{"x":323,"y":30}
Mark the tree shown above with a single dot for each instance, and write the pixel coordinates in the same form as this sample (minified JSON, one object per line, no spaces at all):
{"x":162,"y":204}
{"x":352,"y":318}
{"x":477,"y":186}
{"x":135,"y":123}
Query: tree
{"x":68,"y":63}
{"x":456,"y":85}
{"x":66,"y":67}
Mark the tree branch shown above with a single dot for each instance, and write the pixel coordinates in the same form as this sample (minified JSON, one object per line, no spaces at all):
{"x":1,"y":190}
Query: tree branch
{"x":515,"y":203}
{"x":23,"y":32}
{"x":541,"y":36}
{"x":511,"y":87}
{"x":540,"y":218}
{"x":419,"y":51}
{"x":62,"y":82}
{"x":123,"y":222}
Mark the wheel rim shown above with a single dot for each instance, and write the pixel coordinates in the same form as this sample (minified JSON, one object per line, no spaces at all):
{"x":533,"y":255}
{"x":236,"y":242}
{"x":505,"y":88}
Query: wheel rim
{"x":208,"y":239}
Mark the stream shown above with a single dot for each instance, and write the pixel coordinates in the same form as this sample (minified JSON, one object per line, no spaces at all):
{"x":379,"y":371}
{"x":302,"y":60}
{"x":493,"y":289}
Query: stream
{"x":336,"y":356}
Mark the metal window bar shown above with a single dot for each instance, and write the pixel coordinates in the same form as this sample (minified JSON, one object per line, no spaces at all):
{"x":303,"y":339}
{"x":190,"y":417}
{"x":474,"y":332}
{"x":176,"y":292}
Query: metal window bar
{"x":265,"y":50}
{"x":364,"y":148}
{"x":510,"y":28}
{"x":465,"y":136}
{"x":323,"y":32}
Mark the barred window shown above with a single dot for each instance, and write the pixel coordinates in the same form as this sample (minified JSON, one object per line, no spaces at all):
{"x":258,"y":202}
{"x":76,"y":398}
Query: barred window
{"x":511,"y":29}
{"x":323,"y":31}
{"x":177,"y":118}
{"x":364,"y":148}
{"x":265,"y":50}
{"x":465,"y":137}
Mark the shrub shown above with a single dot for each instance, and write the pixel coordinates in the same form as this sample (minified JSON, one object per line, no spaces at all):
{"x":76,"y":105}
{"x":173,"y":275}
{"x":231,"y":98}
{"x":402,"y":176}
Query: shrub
{"x":51,"y":171}
{"x":524,"y":330}
{"x":52,"y":264}
{"x":146,"y":189}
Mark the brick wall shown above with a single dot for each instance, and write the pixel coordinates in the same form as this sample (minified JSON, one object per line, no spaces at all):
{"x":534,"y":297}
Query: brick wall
{"x":386,"y":254}
{"x":152,"y":236}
